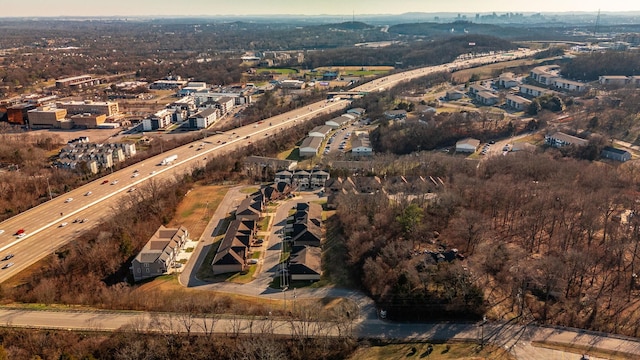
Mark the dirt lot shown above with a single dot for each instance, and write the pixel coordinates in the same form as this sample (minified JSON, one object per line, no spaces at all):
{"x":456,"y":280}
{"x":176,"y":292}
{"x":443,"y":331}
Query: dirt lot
{"x":95,"y":135}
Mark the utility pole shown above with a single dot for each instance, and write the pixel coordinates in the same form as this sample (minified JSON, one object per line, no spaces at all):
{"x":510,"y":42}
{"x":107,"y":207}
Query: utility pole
{"x":49,"y":188}
{"x":284,"y":295}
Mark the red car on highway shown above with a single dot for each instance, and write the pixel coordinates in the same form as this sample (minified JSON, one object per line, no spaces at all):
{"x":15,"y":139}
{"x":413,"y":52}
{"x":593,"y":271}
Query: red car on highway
{"x":105,"y":182}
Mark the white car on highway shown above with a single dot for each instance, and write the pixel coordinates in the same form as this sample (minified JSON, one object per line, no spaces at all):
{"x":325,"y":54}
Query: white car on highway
{"x":114,"y":182}
{"x":68,"y":200}
{"x":1,"y":232}
{"x":88,"y":193}
{"x":63,"y":224}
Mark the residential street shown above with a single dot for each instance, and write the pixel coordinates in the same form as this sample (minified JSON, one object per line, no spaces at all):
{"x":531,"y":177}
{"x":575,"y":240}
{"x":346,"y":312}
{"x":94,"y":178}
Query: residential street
{"x":516,"y":338}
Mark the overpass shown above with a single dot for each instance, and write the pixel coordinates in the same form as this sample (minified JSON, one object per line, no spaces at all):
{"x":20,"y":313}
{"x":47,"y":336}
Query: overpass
{"x":346,"y":94}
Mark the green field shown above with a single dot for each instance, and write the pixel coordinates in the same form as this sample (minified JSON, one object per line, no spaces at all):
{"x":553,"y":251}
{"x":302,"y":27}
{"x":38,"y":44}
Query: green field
{"x":283,"y":71}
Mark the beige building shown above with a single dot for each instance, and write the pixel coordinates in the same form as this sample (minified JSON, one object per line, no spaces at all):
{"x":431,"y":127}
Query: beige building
{"x":46,"y":116}
{"x":108,"y":108}
{"x":89,"y":121}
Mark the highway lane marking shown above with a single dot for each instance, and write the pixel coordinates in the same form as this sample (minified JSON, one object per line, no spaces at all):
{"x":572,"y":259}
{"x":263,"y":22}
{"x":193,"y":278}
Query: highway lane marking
{"x":143,"y":179}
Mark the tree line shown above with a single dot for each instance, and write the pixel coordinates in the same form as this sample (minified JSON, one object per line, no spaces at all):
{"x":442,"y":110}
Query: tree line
{"x":545,"y":238}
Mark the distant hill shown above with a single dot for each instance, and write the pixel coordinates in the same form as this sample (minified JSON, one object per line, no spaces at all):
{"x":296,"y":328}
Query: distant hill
{"x":430,"y":29}
{"x":349,"y":25}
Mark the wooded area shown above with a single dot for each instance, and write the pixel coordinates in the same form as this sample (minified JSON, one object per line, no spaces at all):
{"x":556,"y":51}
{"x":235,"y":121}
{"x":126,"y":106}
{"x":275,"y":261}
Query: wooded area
{"x":546,"y":238}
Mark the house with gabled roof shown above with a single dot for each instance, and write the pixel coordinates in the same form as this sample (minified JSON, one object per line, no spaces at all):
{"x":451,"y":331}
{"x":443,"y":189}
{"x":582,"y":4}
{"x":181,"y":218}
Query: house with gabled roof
{"x":356,"y":111}
{"x":159,"y":253}
{"x":338,"y":122}
{"x":310,"y":146}
{"x":306,"y":264}
{"x":301,"y":179}
{"x":306,"y":226}
{"x":517,"y":102}
{"x":250,"y":208}
{"x":283,"y":176}
{"x":318,"y":178}
{"x":233,"y":251}
{"x":320,"y":131}
{"x":507,"y":80}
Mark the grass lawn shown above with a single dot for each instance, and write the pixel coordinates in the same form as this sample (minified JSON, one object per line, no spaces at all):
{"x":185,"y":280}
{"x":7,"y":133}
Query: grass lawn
{"x":249,"y":190}
{"x":264,"y":224}
{"x":197,"y":207}
{"x":281,"y":71}
{"x":243,"y":277}
{"x":576,"y":349}
{"x":454,"y":350}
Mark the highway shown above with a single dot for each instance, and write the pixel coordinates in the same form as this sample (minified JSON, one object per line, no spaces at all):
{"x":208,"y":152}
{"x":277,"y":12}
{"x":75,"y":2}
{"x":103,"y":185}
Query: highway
{"x":42,"y":224}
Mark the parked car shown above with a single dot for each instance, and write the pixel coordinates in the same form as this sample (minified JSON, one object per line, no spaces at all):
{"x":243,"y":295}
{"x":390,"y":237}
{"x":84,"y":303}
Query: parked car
{"x":252,"y":261}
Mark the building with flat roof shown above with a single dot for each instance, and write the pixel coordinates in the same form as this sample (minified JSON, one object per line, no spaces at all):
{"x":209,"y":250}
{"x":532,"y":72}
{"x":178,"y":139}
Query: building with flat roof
{"x":19,"y":114}
{"x":108,"y":108}
{"x":46,"y":117}
{"x":88,"y":121}
{"x":80,"y":81}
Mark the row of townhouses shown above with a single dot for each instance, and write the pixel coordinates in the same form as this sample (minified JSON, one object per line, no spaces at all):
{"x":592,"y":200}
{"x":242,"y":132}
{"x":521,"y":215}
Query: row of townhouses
{"x":95,"y":157}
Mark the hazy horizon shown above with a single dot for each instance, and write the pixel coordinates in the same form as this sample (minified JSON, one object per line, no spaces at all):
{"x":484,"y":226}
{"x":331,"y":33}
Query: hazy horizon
{"x":166,"y":8}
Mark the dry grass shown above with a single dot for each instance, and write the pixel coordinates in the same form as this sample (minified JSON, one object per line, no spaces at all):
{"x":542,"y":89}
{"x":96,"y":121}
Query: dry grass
{"x":486,"y":71}
{"x":577,"y":349}
{"x":465,"y":351}
{"x":197,"y":208}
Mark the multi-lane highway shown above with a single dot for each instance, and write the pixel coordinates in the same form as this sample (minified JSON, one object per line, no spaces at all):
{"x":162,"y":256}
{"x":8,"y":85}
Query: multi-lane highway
{"x":99,"y":199}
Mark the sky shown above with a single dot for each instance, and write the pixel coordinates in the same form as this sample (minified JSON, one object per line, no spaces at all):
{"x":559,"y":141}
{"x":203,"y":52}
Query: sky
{"x":56,"y":8}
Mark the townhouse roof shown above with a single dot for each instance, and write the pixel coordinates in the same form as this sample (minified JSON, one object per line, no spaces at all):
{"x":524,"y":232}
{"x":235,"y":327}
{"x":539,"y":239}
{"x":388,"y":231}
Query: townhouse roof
{"x":469,"y":141}
{"x":306,"y":261}
{"x":163,"y":242}
{"x":311,"y":142}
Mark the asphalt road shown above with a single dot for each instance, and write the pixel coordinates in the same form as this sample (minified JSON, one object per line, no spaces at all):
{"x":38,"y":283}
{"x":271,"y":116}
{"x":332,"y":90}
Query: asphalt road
{"x":42,"y":224}
{"x":515,"y":338}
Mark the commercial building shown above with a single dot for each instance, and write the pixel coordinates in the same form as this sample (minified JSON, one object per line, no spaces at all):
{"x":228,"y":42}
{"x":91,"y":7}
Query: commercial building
{"x":108,"y":108}
{"x":78,"y":82}
{"x":88,"y":121}
{"x":46,"y":117}
{"x":203,"y":119}
{"x":560,"y":139}
{"x":467,"y":145}
{"x":159,"y":120}
{"x":19,"y":114}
